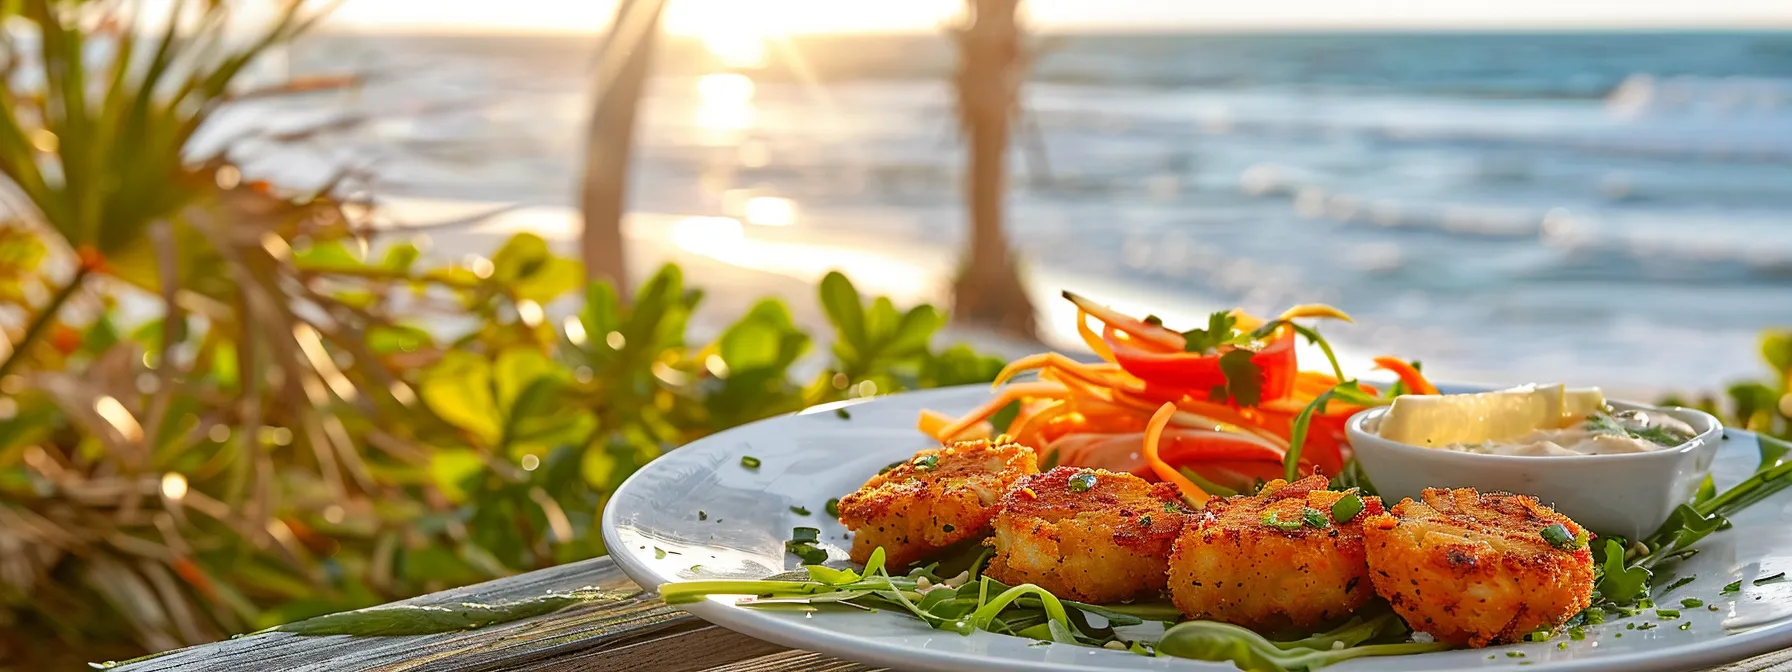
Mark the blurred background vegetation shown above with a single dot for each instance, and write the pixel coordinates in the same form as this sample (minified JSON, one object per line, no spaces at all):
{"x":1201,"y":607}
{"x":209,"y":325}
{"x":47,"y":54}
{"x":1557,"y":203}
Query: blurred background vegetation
{"x":226,"y":405}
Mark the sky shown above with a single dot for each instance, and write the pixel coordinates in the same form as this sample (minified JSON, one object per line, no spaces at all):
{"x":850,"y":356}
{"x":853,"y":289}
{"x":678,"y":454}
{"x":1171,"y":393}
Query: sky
{"x":708,"y":17}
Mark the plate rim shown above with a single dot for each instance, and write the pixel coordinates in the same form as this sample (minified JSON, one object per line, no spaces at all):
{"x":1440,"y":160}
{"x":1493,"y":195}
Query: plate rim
{"x":1700,"y":654}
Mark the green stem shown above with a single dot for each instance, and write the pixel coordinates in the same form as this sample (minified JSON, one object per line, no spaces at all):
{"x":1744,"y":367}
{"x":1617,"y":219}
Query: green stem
{"x":42,"y":321}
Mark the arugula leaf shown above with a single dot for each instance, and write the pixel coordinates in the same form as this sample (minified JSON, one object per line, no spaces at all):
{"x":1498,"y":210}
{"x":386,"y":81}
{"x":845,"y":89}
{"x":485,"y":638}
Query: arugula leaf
{"x":1619,"y":583}
{"x":1244,"y":379}
{"x":1218,"y":333}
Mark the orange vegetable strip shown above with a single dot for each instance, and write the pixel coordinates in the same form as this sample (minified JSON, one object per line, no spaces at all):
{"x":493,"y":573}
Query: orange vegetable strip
{"x":1154,"y":432}
{"x":932,"y":421}
{"x":1414,"y":380}
{"x":1314,"y":310}
{"x":1027,"y":363}
{"x":1144,"y":331}
{"x":1030,"y":422}
{"x":1007,"y":395}
{"x":1096,"y":345}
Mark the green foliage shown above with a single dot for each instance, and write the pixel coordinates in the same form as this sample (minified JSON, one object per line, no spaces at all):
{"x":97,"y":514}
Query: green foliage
{"x":316,"y":419}
{"x":1760,"y":406}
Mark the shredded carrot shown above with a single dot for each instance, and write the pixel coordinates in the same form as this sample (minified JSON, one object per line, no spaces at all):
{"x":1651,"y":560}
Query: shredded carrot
{"x":932,"y":421}
{"x":1154,"y":432}
{"x":1143,"y":331}
{"x":1094,"y":342}
{"x":1314,"y":310}
{"x":1008,"y":395}
{"x":1414,"y":380}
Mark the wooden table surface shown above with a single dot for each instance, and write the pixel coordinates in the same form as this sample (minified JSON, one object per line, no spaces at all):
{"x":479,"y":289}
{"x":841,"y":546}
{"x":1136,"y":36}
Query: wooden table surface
{"x":634,"y":632}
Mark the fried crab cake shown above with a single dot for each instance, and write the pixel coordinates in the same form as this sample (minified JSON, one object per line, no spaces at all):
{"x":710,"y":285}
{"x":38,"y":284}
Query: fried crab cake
{"x":937,"y":498}
{"x":1474,"y":569}
{"x":1275,"y":560}
{"x":1086,"y":534}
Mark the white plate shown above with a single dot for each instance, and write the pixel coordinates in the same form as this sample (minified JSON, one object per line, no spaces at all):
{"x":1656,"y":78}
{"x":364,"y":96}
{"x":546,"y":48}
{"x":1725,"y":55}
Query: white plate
{"x":810,"y":458}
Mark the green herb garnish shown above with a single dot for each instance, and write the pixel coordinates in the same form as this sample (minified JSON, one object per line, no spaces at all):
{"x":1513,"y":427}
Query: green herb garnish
{"x":1686,"y":626}
{"x":799,"y":510}
{"x":659,"y":553}
{"x":1347,"y":507}
{"x":1145,"y":520}
{"x":1272,"y":520}
{"x":1667,"y":614}
{"x":1315,"y":518}
{"x":749,"y":461}
{"x":926,"y":462}
{"x":1646,"y":626}
{"x":1219,"y":332}
{"x":808,"y":535}
{"x":833,"y":507}
{"x":1771,"y":579}
{"x":1604,"y":424}
{"x":1082,"y":481}
{"x":1735,"y":587}
{"x":842,"y":414}
{"x":1692,"y":603}
{"x":1244,"y":379}
{"x":1677,"y":583}
{"x":701,"y":515}
{"x":1558,"y":536}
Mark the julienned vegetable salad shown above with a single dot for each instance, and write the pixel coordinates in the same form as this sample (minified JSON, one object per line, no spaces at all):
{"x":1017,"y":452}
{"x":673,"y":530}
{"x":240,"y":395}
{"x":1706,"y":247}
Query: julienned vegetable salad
{"x":1236,"y":409}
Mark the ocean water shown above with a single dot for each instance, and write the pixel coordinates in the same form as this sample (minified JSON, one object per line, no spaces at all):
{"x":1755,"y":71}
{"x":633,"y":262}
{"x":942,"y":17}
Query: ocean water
{"x":1601,"y":208}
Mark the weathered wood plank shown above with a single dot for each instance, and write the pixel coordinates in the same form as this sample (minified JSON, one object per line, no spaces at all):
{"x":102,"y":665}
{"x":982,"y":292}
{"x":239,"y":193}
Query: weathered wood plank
{"x":791,"y":661}
{"x":603,"y":625}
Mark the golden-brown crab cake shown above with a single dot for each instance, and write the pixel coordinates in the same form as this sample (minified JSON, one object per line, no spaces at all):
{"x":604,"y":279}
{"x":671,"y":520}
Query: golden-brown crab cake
{"x":1274,"y":560}
{"x":937,"y":498}
{"x":1474,"y":569}
{"x":1086,"y":534}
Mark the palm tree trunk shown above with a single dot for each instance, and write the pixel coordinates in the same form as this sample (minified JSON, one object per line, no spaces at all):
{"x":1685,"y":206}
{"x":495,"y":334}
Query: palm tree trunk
{"x":988,"y":291}
{"x":622,"y":67}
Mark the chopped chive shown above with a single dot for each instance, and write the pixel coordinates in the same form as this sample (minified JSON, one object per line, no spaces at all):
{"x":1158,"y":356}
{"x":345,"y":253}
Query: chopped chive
{"x":1692,"y":603}
{"x":749,"y":461}
{"x":701,"y":515}
{"x":1734,"y":587}
{"x":1558,"y":536}
{"x":1082,"y":481}
{"x":805,"y":535}
{"x":1561,"y":646}
{"x":1577,"y":633}
{"x":842,"y":414}
{"x":1172,"y":507}
{"x":659,"y":553}
{"x":1271,"y":520}
{"x":926,"y":462}
{"x":799,"y":510}
{"x":1514,"y":654}
{"x":1711,"y":607}
{"x":1676,"y":584}
{"x":1314,"y":518}
{"x":1667,"y":614}
{"x":1771,"y":579}
{"x":1686,"y":626}
{"x":833,"y":507}
{"x":1145,"y":520}
{"x":1646,"y":626}
{"x":1347,"y":507}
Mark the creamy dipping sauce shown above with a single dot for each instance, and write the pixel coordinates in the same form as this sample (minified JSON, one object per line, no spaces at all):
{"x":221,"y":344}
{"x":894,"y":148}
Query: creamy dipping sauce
{"x":1598,"y":434}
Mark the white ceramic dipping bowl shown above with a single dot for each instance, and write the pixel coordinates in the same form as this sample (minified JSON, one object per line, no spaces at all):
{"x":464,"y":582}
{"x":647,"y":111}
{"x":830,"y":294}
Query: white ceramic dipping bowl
{"x":1629,"y":494}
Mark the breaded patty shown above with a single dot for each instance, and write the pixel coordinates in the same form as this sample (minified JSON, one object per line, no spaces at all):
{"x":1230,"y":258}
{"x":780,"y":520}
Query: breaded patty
{"x":1087,"y":534}
{"x":1474,"y":569}
{"x":1275,"y":560}
{"x":939,"y":497}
